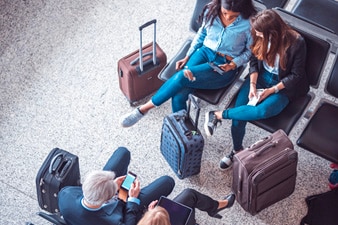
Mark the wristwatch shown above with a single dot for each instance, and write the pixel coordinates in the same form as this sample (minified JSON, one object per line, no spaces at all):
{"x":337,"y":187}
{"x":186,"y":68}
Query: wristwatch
{"x":276,"y":89}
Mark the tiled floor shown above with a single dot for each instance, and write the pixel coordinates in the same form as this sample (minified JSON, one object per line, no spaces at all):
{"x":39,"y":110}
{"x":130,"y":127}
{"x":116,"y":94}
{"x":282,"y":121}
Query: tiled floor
{"x":59,"y":88}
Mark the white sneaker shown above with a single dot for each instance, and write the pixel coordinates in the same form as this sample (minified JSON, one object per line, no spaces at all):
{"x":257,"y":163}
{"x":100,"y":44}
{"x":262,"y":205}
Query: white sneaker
{"x":226,"y":161}
{"x":131,"y":118}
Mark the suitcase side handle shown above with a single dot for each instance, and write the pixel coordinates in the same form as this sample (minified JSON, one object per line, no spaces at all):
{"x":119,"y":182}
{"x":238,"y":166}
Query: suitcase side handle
{"x":59,"y":166}
{"x":137,"y":59}
{"x":270,"y":145}
{"x":55,"y":162}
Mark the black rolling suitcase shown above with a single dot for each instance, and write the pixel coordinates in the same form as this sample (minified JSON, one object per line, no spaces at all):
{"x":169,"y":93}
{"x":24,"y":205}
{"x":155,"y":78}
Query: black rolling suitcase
{"x":265,"y":172}
{"x":60,"y":169}
{"x":182,"y":143}
{"x":138,"y":71}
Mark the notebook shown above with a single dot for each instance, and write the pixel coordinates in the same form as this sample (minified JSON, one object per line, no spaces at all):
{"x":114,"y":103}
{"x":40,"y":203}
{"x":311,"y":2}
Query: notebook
{"x":179,"y":214}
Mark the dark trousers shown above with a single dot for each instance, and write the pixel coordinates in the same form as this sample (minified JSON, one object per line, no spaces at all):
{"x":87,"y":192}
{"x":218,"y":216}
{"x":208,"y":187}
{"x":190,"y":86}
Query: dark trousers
{"x":119,"y":162}
{"x":195,"y":199}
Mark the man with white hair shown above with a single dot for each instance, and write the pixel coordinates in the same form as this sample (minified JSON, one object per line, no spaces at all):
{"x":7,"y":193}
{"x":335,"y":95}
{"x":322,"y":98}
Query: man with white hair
{"x":97,"y":202}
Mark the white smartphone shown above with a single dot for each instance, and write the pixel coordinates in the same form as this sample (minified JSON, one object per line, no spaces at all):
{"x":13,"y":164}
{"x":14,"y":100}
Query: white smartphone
{"x":130,"y":178}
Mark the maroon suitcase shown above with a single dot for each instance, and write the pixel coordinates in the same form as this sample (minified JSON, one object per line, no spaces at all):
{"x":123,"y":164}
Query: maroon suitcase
{"x":139,"y":78}
{"x":265,"y":172}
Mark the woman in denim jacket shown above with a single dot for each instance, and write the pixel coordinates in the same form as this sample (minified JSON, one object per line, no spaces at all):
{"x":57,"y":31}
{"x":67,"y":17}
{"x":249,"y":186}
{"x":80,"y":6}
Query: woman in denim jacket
{"x":224,"y":39}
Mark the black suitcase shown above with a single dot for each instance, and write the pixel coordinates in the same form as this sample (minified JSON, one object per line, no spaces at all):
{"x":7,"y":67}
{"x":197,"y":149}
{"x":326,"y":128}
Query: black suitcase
{"x":322,"y":209}
{"x":60,"y":169}
{"x":138,"y":71}
{"x":265,"y":172}
{"x":182,"y":143}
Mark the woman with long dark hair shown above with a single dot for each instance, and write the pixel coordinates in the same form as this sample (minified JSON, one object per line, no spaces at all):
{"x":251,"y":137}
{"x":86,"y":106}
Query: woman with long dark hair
{"x":223,"y":39}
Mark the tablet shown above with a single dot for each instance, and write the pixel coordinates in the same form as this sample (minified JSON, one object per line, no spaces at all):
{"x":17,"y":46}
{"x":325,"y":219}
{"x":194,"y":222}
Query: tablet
{"x":179,"y":214}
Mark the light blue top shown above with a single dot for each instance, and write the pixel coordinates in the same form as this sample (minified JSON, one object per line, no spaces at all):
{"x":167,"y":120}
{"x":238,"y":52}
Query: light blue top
{"x":233,"y":40}
{"x":272,"y":69}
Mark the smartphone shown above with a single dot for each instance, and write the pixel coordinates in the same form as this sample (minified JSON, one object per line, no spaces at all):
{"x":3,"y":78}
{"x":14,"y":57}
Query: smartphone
{"x":216,"y":68}
{"x":130,"y":178}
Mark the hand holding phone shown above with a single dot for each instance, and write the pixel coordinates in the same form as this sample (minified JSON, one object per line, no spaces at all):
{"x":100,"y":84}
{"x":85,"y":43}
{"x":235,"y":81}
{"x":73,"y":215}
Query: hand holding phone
{"x":216,"y":68}
{"x":126,"y":185}
{"x":130,"y":178}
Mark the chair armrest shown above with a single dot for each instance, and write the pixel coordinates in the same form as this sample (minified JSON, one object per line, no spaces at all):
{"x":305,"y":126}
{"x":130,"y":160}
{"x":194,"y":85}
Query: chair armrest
{"x":170,"y":69}
{"x":53,"y":218}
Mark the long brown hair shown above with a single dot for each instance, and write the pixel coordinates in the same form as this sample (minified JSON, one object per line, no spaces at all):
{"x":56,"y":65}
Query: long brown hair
{"x":275,"y":31}
{"x":156,"y":216}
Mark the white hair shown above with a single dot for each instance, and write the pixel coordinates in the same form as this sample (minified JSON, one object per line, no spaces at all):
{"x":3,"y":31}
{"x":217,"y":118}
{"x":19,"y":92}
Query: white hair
{"x":99,"y":186}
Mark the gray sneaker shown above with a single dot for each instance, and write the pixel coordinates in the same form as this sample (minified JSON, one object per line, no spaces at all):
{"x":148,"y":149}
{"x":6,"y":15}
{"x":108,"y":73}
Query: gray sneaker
{"x":226,"y":161}
{"x":131,"y":118}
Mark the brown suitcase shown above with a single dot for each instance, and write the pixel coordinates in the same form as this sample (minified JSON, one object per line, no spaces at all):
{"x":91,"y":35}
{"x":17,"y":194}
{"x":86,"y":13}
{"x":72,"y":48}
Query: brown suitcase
{"x":265,"y":172}
{"x":139,"y":78}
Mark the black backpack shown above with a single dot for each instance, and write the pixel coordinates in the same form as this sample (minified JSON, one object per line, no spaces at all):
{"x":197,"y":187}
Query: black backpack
{"x":322,"y":209}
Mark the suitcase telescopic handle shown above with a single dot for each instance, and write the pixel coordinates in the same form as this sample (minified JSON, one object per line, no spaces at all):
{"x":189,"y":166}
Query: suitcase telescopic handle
{"x":140,"y":58}
{"x":198,"y":109}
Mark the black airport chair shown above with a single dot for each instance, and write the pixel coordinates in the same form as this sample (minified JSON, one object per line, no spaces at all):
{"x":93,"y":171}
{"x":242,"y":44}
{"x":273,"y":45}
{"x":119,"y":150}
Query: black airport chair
{"x":323,"y":12}
{"x":320,"y":135}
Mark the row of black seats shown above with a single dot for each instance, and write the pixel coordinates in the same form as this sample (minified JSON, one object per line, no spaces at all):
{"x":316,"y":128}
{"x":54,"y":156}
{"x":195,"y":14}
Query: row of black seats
{"x":314,"y":20}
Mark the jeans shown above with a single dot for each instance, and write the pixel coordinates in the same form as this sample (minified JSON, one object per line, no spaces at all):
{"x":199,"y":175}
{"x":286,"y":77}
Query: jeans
{"x":119,"y":163}
{"x":241,"y":113}
{"x":178,"y":87}
{"x":195,"y":199}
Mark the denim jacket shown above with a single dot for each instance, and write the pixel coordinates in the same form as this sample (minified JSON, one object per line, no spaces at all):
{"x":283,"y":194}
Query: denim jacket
{"x":233,"y":40}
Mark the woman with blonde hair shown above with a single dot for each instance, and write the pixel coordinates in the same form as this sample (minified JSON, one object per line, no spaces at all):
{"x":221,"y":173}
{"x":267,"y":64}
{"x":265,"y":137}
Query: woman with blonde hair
{"x":192,"y":198}
{"x":156,"y":216}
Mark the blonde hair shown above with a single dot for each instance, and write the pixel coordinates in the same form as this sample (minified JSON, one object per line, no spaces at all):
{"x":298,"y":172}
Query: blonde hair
{"x":156,"y":216}
{"x":99,"y":186}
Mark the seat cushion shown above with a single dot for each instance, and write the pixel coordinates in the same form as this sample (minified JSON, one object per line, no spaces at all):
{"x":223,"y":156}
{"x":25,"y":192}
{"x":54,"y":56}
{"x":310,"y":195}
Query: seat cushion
{"x":323,"y":12}
{"x":288,"y":117}
{"x":320,"y":136}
